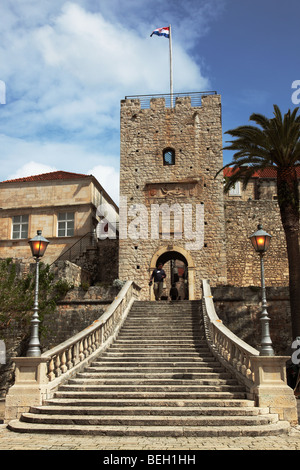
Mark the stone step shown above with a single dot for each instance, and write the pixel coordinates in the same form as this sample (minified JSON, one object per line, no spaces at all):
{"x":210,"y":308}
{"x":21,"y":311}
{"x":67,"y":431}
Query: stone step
{"x":129,"y":375}
{"x":158,"y":378}
{"x":161,"y":342}
{"x":153,"y":402}
{"x":149,"y":410}
{"x":158,"y":336}
{"x":155,"y":322}
{"x":153,"y":431}
{"x":184,"y":395}
{"x":164,"y":388}
{"x":146,"y":381}
{"x":146,"y":346}
{"x":167,"y":361}
{"x":158,"y":342}
{"x":170,"y":370}
{"x":161,"y":354}
{"x":148,"y":420}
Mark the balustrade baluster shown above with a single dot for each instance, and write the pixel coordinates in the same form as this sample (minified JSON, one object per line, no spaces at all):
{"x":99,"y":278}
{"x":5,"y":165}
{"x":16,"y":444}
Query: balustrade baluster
{"x":69,"y":358}
{"x":249,"y":372}
{"x":234,"y":356}
{"x":89,"y":348}
{"x":63,"y":366}
{"x":81,"y":354}
{"x":85,"y":347}
{"x":94,"y":346}
{"x":57,"y":366}
{"x":239,"y":359}
{"x":243,"y":365}
{"x":51,"y":374}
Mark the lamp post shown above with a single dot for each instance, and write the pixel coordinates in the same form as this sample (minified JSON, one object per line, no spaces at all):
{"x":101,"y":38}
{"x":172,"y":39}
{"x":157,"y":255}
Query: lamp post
{"x":38,"y":246}
{"x":261,"y":241}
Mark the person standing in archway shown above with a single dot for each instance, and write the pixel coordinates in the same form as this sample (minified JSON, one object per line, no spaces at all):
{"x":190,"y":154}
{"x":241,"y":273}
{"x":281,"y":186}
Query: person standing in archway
{"x":158,"y":275}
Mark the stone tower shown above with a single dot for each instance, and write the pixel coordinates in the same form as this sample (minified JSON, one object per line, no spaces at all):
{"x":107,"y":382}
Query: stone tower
{"x":171,"y":204}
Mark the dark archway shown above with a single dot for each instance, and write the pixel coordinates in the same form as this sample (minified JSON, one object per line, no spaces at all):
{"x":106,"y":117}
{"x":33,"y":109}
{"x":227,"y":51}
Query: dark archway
{"x":176,"y":267}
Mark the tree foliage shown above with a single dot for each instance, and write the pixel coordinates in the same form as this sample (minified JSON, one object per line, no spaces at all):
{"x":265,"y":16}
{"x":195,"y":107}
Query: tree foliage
{"x":273,"y":143}
{"x":17,"y":295}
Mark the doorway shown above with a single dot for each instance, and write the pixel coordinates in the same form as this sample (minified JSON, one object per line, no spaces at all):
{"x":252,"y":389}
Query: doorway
{"x":179,"y":269}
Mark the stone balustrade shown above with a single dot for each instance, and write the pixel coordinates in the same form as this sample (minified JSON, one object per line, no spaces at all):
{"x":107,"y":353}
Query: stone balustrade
{"x":37,"y":378}
{"x":263,"y":376}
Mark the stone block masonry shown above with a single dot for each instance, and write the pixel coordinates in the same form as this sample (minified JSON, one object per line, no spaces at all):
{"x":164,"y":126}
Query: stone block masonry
{"x":241,"y":220}
{"x":193,"y":135}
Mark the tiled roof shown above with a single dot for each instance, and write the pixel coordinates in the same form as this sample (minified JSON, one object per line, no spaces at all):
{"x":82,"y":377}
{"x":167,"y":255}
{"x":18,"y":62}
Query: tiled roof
{"x":54,"y":175}
{"x":265,"y":173}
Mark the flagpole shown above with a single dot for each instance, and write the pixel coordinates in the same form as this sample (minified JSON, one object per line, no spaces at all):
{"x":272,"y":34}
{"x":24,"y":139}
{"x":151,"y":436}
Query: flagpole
{"x":171,"y":68}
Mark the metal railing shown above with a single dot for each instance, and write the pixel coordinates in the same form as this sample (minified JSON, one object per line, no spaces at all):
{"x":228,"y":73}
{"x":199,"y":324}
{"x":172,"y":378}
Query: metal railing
{"x":170,"y":99}
{"x":89,"y":240}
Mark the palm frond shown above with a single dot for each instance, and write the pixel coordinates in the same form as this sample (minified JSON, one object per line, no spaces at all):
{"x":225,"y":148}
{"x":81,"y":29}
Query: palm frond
{"x":275,"y":143}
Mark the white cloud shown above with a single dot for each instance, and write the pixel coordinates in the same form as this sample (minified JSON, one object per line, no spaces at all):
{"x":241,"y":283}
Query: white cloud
{"x":67,"y":65}
{"x":32,"y":158}
{"x":109,"y":178}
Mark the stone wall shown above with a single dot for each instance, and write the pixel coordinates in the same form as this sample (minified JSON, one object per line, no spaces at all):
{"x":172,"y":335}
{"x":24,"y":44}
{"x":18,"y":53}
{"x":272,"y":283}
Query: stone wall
{"x":70,"y":272}
{"x":15,"y":346}
{"x":79,"y":309}
{"x":240,"y":307}
{"x":243,"y":263}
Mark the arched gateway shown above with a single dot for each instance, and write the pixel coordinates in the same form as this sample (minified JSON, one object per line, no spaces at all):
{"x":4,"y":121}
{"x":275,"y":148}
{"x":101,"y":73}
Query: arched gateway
{"x":180,"y":270}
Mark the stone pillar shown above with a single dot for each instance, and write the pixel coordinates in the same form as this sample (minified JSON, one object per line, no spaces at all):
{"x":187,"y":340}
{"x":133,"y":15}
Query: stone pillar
{"x":270,"y":387}
{"x":30,"y":379}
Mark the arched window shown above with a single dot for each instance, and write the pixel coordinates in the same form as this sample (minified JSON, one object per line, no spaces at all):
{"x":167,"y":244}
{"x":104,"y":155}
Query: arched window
{"x":169,"y":156}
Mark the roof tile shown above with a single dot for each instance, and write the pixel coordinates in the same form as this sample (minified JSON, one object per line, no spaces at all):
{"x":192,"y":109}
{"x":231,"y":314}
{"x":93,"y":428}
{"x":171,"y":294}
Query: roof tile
{"x":54,"y":175}
{"x":265,"y":173}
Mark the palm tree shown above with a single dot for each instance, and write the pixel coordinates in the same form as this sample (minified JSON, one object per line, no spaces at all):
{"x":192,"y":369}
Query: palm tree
{"x":275,"y":143}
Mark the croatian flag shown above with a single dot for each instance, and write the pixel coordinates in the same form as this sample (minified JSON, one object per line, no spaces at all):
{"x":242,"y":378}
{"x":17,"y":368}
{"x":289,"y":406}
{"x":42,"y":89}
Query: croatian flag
{"x":161,"y":32}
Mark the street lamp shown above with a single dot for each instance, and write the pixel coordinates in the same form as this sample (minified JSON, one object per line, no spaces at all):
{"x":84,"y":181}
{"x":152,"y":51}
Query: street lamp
{"x":261,"y":241}
{"x":38,"y":246}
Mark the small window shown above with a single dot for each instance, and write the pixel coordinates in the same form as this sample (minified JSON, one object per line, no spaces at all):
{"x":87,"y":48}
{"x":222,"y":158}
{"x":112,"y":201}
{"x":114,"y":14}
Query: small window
{"x":169,"y":157}
{"x":66,"y":224}
{"x":235,"y":190}
{"x":20,"y":226}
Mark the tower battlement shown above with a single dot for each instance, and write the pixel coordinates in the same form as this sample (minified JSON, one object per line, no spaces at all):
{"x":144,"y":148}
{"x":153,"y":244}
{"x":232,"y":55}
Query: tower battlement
{"x":192,"y":99}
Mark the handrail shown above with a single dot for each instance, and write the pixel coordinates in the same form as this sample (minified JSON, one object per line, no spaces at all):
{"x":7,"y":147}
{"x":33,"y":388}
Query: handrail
{"x":233,"y":352}
{"x":67,"y":255}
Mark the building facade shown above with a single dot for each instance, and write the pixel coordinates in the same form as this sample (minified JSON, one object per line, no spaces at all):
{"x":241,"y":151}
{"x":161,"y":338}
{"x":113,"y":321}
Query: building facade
{"x":61,"y":204}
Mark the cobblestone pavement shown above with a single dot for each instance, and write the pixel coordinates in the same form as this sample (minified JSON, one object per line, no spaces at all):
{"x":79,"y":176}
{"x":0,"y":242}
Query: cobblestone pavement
{"x":18,"y":441}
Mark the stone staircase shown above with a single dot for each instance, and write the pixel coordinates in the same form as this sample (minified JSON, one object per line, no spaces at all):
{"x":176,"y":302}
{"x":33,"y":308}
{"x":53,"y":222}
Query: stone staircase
{"x":157,"y":379}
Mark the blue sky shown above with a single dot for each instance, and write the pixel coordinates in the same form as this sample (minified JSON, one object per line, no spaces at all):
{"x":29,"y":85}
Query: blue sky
{"x":67,"y":65}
